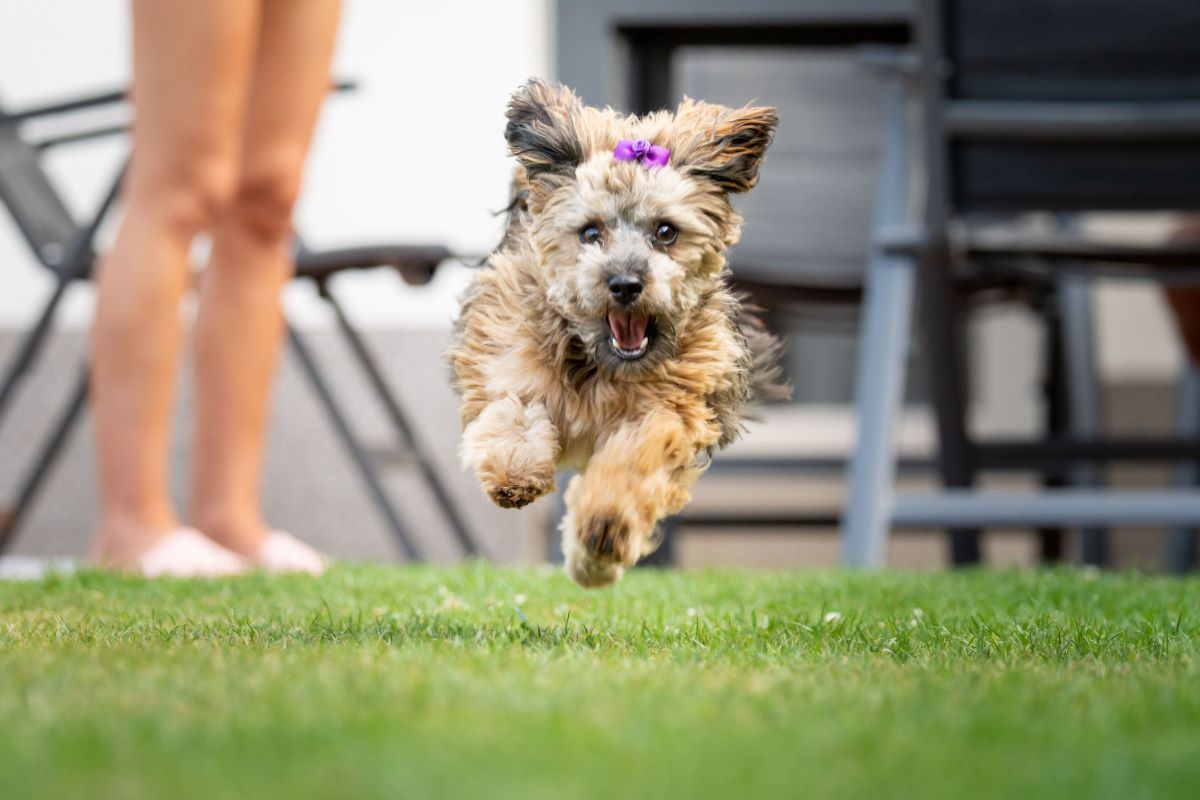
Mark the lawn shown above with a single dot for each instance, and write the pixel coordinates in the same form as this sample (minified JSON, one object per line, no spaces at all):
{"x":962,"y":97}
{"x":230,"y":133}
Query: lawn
{"x":500,"y":683}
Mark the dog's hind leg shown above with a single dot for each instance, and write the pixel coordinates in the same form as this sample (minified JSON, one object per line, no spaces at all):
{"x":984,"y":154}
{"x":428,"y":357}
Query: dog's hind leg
{"x":513,"y":447}
{"x":643,"y":471}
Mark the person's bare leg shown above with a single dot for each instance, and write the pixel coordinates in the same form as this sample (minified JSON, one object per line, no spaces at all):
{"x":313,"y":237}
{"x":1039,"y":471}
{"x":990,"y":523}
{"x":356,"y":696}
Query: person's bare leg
{"x":191,"y":67}
{"x":1185,"y":300}
{"x":239,"y":328}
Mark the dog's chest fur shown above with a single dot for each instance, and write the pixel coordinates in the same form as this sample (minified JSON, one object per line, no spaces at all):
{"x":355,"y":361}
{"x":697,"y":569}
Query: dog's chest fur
{"x":509,"y":341}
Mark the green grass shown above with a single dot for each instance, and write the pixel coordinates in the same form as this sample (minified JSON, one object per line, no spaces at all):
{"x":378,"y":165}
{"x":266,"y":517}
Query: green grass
{"x":485,"y":682}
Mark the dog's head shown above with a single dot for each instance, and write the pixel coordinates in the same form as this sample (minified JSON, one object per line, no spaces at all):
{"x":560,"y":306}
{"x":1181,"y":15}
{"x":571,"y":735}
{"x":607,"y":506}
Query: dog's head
{"x":630,"y":216}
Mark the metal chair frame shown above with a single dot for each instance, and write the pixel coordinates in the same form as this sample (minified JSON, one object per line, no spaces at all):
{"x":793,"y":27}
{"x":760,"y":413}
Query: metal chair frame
{"x":919,"y":259}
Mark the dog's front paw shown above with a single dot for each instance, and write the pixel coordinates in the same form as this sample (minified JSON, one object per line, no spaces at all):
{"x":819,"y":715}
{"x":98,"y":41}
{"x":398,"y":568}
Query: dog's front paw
{"x":616,"y":535}
{"x":513,"y":449}
{"x":608,"y":537}
{"x":590,"y":573}
{"x":518,"y":492}
{"x":584,"y":568}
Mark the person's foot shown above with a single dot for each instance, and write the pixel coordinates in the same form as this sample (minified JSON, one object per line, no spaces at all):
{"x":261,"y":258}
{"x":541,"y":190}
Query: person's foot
{"x":282,"y":552}
{"x":263,"y":548}
{"x":180,"y":553}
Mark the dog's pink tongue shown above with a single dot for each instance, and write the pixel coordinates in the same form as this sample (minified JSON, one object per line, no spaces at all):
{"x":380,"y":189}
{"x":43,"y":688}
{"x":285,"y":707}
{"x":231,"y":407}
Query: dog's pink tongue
{"x":629,"y":329}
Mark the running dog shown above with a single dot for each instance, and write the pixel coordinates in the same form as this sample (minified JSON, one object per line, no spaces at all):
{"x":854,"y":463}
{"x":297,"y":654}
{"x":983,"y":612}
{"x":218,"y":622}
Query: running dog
{"x":602,"y":334}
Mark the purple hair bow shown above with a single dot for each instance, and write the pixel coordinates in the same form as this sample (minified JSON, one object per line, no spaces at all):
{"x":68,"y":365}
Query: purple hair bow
{"x":651,"y":156}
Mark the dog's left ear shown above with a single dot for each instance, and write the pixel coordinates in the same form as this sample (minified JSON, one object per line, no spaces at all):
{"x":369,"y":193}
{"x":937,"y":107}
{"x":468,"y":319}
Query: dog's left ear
{"x":541,"y":129}
{"x":728,"y":144}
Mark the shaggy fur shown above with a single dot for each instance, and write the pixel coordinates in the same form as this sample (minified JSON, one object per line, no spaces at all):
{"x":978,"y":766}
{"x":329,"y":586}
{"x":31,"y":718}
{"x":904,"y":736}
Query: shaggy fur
{"x":534,"y":355}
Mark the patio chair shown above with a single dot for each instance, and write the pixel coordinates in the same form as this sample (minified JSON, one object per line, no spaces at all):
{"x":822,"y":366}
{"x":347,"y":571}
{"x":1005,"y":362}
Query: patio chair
{"x":65,"y":248}
{"x":802,"y":260}
{"x":1068,"y":106}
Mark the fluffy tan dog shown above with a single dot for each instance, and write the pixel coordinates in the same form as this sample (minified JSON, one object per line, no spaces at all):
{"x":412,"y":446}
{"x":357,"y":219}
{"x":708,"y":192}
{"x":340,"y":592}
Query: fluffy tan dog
{"x":601,"y":335}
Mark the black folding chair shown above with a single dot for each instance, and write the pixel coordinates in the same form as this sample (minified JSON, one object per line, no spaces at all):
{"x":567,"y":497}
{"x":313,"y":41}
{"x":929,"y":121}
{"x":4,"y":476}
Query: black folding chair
{"x":1065,"y":106}
{"x":65,"y":248}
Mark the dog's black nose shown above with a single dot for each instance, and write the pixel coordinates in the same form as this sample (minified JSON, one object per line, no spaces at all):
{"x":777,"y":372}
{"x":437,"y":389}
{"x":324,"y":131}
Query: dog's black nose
{"x":624,"y":288}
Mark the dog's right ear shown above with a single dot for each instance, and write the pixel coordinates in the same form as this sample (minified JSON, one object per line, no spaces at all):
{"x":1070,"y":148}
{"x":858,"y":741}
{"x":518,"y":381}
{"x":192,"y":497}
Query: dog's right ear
{"x":726,"y":145}
{"x":541,"y":129}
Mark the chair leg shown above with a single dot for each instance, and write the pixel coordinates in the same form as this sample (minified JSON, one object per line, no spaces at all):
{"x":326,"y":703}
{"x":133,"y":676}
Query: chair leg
{"x":883,"y":345}
{"x":362,"y":459}
{"x":1181,"y":544}
{"x":400,"y":423}
{"x":74,"y":267}
{"x":46,"y":459}
{"x":1085,"y":417}
{"x":30,"y":345}
{"x":879,"y":388}
{"x":943,"y":342}
{"x":1051,"y":539}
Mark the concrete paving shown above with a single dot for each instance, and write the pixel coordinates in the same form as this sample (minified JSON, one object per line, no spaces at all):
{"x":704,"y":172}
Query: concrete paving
{"x":310,"y":486}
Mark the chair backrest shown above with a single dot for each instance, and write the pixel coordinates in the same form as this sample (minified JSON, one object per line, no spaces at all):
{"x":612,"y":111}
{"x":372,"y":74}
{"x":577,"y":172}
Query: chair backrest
{"x":32,"y":200}
{"x":1062,"y":104}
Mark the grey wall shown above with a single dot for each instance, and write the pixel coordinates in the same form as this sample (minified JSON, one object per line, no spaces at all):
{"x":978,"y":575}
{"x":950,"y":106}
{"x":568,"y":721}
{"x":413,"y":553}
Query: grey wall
{"x":589,"y":52}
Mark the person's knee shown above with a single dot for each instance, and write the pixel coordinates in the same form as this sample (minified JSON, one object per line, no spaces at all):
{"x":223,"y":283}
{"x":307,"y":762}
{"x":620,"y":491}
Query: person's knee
{"x":189,"y":196}
{"x":266,"y":195}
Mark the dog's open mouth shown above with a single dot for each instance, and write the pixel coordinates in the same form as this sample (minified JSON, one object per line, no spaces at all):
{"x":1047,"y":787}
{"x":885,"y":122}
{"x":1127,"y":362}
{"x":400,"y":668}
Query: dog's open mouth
{"x":631,"y":334}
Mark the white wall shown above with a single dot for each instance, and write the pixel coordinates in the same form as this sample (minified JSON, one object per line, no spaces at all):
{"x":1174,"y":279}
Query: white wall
{"x":416,"y":155}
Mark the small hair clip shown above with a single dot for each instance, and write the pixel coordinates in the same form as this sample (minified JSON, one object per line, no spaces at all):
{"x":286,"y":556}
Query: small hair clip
{"x":651,"y":156}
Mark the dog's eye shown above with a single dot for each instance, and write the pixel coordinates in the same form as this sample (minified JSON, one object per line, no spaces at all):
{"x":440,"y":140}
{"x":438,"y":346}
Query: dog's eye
{"x":665,"y":234}
{"x":589,"y":234}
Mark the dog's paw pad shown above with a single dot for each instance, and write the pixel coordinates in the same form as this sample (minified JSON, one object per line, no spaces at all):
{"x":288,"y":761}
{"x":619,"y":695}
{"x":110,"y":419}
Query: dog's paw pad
{"x":512,"y":497}
{"x":518,"y":495}
{"x":606,"y":538}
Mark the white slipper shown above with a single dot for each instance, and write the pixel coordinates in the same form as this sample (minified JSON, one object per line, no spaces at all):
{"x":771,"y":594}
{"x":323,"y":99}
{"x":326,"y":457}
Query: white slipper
{"x":187,"y":553}
{"x":282,"y":552}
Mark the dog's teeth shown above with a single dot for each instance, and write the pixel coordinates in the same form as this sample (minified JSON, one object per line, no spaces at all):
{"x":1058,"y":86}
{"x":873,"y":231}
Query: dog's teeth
{"x":645,"y":341}
{"x":613,"y":341}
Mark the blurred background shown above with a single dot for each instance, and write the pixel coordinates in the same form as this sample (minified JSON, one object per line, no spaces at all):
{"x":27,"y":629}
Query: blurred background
{"x":416,"y":155}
